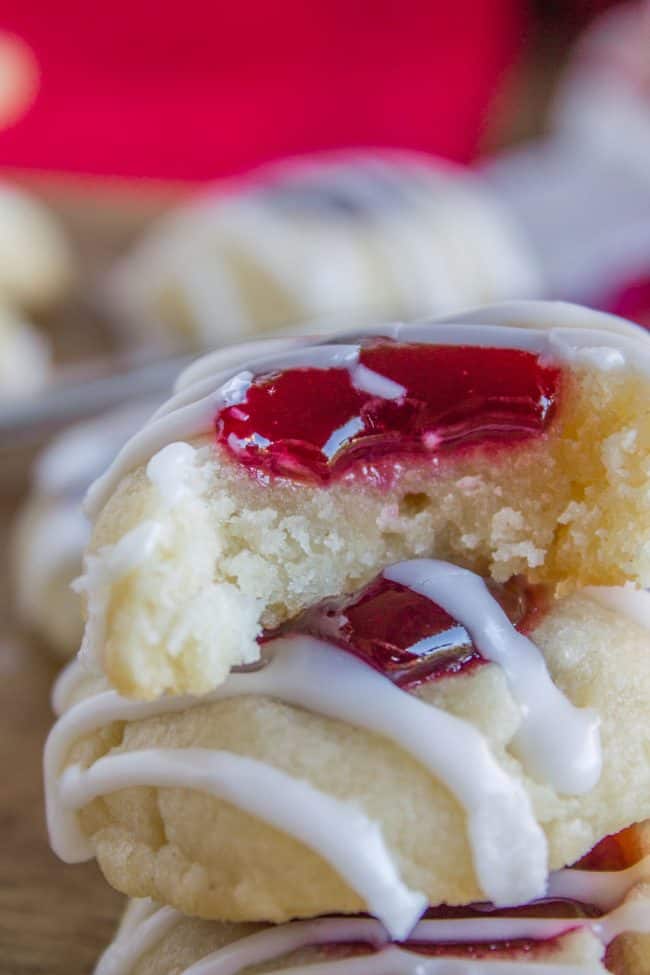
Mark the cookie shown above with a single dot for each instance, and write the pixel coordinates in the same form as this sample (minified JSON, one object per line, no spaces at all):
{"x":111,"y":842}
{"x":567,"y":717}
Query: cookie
{"x":36,"y":263}
{"x":367,"y":236}
{"x":51,"y":530}
{"x":512,"y":440}
{"x":349,"y":772}
{"x":24,"y":357}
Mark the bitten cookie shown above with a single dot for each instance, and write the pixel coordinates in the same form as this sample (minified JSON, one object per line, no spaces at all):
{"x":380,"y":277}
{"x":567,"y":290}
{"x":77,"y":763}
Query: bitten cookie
{"x":510,"y":440}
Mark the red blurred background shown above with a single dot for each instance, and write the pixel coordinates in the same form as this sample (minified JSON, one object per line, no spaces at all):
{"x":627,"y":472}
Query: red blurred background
{"x":206,"y":88}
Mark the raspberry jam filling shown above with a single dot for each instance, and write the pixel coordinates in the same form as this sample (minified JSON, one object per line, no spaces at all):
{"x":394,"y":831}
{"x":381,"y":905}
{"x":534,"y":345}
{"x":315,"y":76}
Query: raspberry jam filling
{"x":477,"y":950}
{"x":404,"y":635}
{"x":313,"y":424}
{"x":616,"y":852}
{"x":558,"y":908}
{"x":473,"y":950}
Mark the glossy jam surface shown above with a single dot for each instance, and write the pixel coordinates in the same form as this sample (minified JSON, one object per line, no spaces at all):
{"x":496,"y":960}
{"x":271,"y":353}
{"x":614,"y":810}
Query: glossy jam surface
{"x":405,"y":636}
{"x":616,"y":852}
{"x":314,"y":424}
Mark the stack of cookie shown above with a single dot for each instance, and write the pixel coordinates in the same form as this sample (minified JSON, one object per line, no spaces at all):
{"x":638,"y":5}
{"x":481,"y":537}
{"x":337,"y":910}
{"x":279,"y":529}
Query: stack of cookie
{"x":365,"y":676}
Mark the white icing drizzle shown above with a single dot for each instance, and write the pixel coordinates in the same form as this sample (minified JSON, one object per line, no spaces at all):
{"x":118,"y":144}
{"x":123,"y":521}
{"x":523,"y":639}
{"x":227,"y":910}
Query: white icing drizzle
{"x":558,"y":742}
{"x":397,"y":961}
{"x":508,"y":845}
{"x":192,"y":410}
{"x":281,"y":940}
{"x":624,"y":600}
{"x":371,"y":382}
{"x":603,"y":889}
{"x":233,"y":357}
{"x":634,"y":916}
{"x":336,"y":830}
{"x":142,"y":932}
{"x":269,"y":944}
{"x":137,"y":910}
{"x":233,"y":389}
{"x":65,"y":685}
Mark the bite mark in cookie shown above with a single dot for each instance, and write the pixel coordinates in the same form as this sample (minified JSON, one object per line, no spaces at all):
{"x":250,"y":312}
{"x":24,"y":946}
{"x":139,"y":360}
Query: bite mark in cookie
{"x":201,"y":539}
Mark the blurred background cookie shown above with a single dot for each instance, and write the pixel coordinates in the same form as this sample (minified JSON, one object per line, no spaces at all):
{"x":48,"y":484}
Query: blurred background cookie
{"x":339,"y":238}
{"x":36,"y":263}
{"x":25,"y":358}
{"x":51,"y":529}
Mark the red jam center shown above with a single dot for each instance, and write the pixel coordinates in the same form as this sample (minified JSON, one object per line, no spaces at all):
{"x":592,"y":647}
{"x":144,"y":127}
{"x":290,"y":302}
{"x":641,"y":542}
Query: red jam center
{"x":311,"y":424}
{"x":616,"y":852}
{"x":484,"y":949}
{"x":472,"y":950}
{"x":553,"y":908}
{"x":405,"y":636}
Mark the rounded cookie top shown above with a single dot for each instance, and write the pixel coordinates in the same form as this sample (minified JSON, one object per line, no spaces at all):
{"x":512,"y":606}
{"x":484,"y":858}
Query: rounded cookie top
{"x":321,"y":729}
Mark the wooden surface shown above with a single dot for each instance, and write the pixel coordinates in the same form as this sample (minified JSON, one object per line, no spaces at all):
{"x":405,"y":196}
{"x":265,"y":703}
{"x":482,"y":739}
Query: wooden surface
{"x":54,"y":918}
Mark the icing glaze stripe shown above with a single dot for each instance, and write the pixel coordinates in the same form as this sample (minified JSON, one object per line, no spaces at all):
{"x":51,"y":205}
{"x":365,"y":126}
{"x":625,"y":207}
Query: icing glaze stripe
{"x":267,"y":945}
{"x":508,"y":846}
{"x":519,"y":315}
{"x":396,"y":961}
{"x":278,"y":941}
{"x":66,"y":685}
{"x":603,"y":889}
{"x":336,"y":830}
{"x":624,"y":600}
{"x":559,"y":742}
{"x":141,"y":935}
{"x":228,"y":961}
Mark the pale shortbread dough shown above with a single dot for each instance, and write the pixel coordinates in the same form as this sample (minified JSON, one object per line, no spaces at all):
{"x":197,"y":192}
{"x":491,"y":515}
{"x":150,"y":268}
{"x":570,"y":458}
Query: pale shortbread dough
{"x":207,"y":858}
{"x":228,"y":553}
